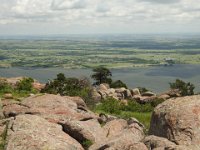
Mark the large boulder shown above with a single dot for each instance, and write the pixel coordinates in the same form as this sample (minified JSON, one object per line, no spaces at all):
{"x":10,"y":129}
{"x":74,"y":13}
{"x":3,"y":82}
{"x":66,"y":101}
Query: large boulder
{"x":135,"y":91}
{"x":95,"y":96}
{"x":30,"y":132}
{"x":89,"y":130}
{"x":121,"y":135}
{"x":148,"y":93}
{"x":178,"y":120}
{"x":51,"y":107}
{"x":153,"y":142}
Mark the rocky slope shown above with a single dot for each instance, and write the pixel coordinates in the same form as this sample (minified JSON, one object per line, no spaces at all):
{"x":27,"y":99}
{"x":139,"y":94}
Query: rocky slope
{"x":53,"y":122}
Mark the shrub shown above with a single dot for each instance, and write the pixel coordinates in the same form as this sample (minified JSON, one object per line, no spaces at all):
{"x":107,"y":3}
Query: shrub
{"x":69,"y":86}
{"x":142,"y":90}
{"x":184,"y":88}
{"x":134,"y":106}
{"x":25,"y":84}
{"x":118,"y":84}
{"x":5,"y":87}
{"x":156,"y":102}
{"x":110,"y":105}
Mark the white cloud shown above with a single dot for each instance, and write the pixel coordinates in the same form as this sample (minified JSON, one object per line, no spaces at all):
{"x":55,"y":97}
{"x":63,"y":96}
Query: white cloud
{"x":100,"y":13}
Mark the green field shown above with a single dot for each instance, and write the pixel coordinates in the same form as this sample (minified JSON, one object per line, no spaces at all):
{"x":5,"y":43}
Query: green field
{"x":86,"y":53}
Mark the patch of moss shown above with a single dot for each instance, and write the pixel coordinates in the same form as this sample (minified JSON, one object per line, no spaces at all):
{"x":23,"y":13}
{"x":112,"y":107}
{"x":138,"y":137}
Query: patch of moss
{"x":86,"y":144}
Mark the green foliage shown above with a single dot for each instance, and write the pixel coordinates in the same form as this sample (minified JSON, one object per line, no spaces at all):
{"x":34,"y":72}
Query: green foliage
{"x":4,"y":87}
{"x":22,"y":89}
{"x":86,"y":144}
{"x":110,"y":105}
{"x":136,"y":107}
{"x":68,"y":86}
{"x":118,"y":84}
{"x":101,"y":75}
{"x":142,"y":90}
{"x":25,"y":84}
{"x":183,"y":87}
{"x":156,"y":102}
{"x":3,"y":138}
{"x":143,"y":117}
{"x":142,"y":112}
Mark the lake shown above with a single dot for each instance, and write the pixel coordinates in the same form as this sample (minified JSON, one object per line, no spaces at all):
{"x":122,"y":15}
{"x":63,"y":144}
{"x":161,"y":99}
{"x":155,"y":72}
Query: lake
{"x":153,"y":78}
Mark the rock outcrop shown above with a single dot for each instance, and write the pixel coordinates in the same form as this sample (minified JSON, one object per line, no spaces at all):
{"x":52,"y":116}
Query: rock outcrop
{"x":51,"y":107}
{"x":103,"y":91}
{"x":178,"y":120}
{"x":54,"y":122}
{"x":31,"y":132}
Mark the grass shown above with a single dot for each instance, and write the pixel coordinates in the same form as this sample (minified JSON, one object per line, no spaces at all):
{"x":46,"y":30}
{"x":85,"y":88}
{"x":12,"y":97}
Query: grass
{"x":143,"y":117}
{"x":3,"y":138}
{"x":142,"y":112}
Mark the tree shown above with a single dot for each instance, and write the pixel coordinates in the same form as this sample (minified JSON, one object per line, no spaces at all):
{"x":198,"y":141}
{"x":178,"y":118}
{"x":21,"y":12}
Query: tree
{"x":101,"y":75}
{"x":118,"y":84}
{"x":184,"y":88}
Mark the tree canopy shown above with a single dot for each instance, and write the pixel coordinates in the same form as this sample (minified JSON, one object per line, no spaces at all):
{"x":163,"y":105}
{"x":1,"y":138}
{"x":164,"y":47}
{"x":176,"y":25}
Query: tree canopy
{"x":101,"y":75}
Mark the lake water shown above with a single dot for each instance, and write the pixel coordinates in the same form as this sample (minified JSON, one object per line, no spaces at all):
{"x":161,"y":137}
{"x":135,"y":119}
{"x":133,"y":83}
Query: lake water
{"x":154,"y":78}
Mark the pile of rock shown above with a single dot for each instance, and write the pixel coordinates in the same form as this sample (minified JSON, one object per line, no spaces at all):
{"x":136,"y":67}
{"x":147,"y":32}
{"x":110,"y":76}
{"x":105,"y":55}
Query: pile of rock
{"x":54,"y":122}
{"x":103,"y":91}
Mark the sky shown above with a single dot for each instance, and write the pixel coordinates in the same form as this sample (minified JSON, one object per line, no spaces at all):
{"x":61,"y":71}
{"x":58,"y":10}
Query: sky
{"x":44,"y":17}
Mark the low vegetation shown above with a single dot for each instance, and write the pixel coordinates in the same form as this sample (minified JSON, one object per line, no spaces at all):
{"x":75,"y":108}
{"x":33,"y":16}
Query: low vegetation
{"x":23,"y":88}
{"x":185,"y":89}
{"x":133,"y":109}
{"x":69,"y":87}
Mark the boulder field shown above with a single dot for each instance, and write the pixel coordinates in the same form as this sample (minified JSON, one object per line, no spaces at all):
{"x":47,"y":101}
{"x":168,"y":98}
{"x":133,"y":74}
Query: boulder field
{"x":53,"y":122}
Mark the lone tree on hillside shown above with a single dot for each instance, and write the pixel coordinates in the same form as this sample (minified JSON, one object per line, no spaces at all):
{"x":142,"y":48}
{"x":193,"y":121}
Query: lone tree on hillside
{"x":101,"y":75}
{"x":183,"y":87}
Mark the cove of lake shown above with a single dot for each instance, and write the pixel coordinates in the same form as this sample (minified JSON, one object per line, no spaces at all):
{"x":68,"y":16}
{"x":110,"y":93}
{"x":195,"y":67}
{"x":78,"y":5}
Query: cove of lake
{"x":155,"y":79}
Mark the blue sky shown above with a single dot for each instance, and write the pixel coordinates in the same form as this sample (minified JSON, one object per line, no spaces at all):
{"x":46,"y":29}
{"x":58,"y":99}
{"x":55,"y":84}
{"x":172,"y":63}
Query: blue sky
{"x":43,"y":17}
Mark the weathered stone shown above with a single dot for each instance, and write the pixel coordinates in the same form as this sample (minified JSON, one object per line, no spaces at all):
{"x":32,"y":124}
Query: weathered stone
{"x":14,"y":109}
{"x":78,"y":100}
{"x":148,"y":93}
{"x":95,"y":95}
{"x":127,"y":94}
{"x":8,"y":96}
{"x":38,"y":86}
{"x":51,"y":107}
{"x":153,"y":142}
{"x":30,"y":132}
{"x":103,"y":94}
{"x":84,"y":130}
{"x":120,"y":90}
{"x":103,"y":87}
{"x":177,"y":119}
{"x":164,"y":96}
{"x":121,"y":135}
{"x":135,"y":91}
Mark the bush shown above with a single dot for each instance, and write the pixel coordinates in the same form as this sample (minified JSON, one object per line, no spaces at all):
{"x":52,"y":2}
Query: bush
{"x":25,"y":84}
{"x":68,"y":86}
{"x":134,"y":106}
{"x":142,"y":90}
{"x":118,"y":84}
{"x":110,"y":105}
{"x":156,"y":102}
{"x":5,"y":87}
{"x":184,"y":88}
